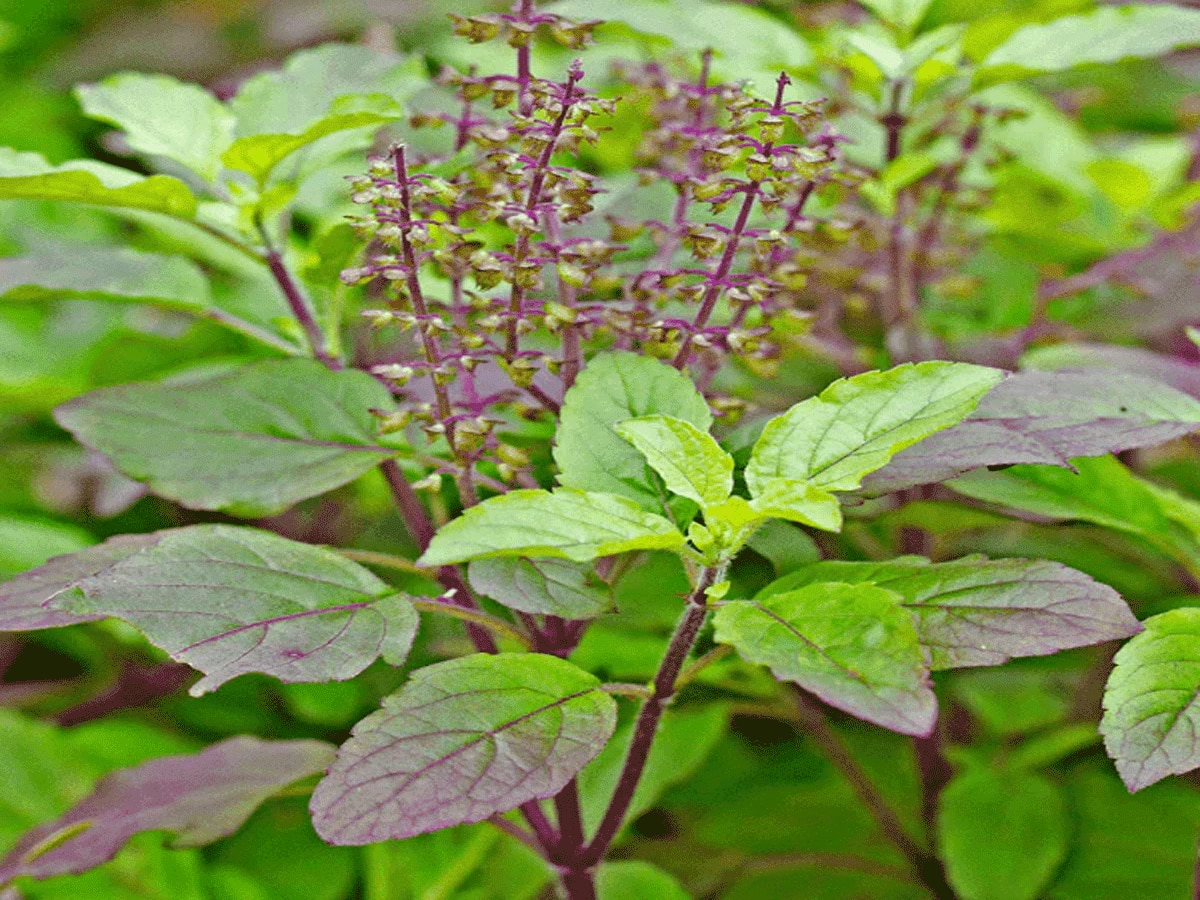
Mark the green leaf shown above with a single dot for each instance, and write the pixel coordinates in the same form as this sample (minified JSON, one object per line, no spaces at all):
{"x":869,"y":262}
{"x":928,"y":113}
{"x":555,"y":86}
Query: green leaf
{"x":799,"y":501}
{"x":904,"y":14}
{"x":27,"y":176}
{"x":612,"y":388}
{"x":980,"y":612}
{"x":199,"y":798}
{"x":1001,"y":834}
{"x":296,"y":97}
{"x":553,"y":587}
{"x":28,"y":541}
{"x":690,"y":462}
{"x":1151,"y":706}
{"x":228,"y":600}
{"x":163,"y":117}
{"x":635,"y":879}
{"x":105,"y":273}
{"x":1103,"y":35}
{"x":1101,"y":491}
{"x":252,"y":442}
{"x":259,"y":154}
{"x":462,"y":741}
{"x":854,"y":646}
{"x":564,"y":523}
{"x":745,"y":35}
{"x":856,"y":425}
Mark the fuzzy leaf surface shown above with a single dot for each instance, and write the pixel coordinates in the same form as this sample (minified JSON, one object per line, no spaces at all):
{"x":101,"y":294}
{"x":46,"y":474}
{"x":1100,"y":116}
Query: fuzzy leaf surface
{"x":1002,"y":834}
{"x":853,"y":645}
{"x":28,"y":176}
{"x":199,"y":798}
{"x":110,"y":273}
{"x":24,"y":600}
{"x":612,"y":388}
{"x":1103,"y":35}
{"x":554,"y":587}
{"x":1047,"y":417}
{"x":250,"y":442}
{"x":1152,"y":701}
{"x":228,"y":600}
{"x":690,"y":462}
{"x":461,"y":741}
{"x":163,"y":117}
{"x":565,"y":523}
{"x":856,"y":425}
{"x":980,"y":612}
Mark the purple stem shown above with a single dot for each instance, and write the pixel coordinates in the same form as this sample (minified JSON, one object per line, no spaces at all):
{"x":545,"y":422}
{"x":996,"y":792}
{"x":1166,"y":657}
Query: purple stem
{"x":678,"y":649}
{"x":299,"y":306}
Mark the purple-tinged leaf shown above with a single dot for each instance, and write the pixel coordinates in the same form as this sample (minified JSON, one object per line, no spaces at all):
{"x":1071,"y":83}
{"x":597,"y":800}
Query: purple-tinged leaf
{"x":556,"y":587}
{"x":1170,"y":370}
{"x":463,"y":740}
{"x":24,"y":599}
{"x":200,"y":798}
{"x":1048,"y":418}
{"x":251,"y":442}
{"x":229,"y":600}
{"x":1151,"y":723}
{"x":980,"y":612}
{"x":853,"y":645}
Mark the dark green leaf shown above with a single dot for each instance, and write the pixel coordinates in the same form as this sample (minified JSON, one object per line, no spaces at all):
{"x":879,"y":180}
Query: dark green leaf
{"x":251,"y":442}
{"x":462,"y":741}
{"x":854,"y":646}
{"x":1001,"y":834}
{"x":1151,"y":707}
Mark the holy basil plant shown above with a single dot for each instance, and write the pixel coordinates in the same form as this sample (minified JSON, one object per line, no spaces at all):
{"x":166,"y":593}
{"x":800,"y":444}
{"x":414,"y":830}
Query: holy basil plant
{"x":605,"y":434}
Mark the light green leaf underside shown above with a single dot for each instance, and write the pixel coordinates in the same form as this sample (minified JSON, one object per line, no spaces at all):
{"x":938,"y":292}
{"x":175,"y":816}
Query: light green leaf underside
{"x":1103,"y":35}
{"x":251,"y":442}
{"x":854,"y":646}
{"x":1152,"y":702}
{"x":857,"y":424}
{"x":564,"y":523}
{"x":105,"y":273}
{"x":690,"y":462}
{"x":28,"y":176}
{"x":612,"y":388}
{"x":229,"y":600}
{"x":163,"y":117}
{"x":557,"y":587}
{"x":798,"y":501}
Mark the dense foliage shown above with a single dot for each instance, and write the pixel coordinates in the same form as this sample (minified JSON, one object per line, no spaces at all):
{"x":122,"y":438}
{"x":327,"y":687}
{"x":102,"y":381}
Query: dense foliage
{"x":618,"y":449}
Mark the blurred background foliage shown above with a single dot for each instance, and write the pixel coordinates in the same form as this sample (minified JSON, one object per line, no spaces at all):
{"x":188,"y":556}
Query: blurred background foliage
{"x":761,"y":811}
